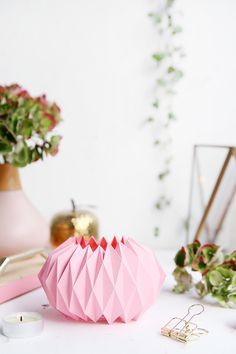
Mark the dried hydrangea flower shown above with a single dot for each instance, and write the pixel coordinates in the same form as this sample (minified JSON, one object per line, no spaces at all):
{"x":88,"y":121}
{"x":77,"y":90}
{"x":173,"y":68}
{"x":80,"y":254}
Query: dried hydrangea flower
{"x":26,"y":126}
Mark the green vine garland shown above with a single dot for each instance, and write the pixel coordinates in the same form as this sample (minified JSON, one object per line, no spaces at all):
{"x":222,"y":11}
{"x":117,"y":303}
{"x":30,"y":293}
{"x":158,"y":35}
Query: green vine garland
{"x":168,"y":74}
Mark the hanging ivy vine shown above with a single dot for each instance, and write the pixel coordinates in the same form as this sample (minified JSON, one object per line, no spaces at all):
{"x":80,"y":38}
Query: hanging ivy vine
{"x":168,"y":73}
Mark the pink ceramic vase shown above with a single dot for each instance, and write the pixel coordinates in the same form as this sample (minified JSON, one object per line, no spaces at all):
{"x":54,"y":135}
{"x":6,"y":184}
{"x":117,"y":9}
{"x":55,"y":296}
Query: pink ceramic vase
{"x":91,"y":281}
{"x":21,"y":225}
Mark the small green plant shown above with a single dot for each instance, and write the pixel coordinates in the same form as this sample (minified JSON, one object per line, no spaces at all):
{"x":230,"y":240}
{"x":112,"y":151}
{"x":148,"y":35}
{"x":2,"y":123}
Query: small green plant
{"x":26,"y":126}
{"x":218,"y":272}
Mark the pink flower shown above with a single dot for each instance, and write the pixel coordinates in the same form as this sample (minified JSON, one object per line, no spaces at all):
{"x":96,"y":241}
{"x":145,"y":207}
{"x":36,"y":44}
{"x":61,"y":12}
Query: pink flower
{"x":23,"y":93}
{"x":42,"y":100}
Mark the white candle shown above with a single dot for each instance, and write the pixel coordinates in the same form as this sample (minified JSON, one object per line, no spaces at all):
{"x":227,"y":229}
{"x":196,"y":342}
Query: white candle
{"x":22,"y":324}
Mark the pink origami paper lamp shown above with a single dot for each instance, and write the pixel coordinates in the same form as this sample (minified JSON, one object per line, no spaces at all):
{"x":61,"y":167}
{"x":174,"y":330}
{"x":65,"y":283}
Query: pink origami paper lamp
{"x":101,"y":281}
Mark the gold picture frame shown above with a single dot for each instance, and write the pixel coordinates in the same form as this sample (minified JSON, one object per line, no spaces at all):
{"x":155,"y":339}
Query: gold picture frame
{"x":222,"y":190}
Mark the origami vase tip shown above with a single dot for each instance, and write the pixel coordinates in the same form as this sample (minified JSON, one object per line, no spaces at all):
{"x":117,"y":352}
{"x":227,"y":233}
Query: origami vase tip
{"x":114,"y":242}
{"x":103,"y":243}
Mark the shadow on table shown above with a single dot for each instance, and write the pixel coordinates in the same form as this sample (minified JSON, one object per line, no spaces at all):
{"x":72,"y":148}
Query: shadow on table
{"x":232,"y":326}
{"x":51,"y":314}
{"x":3,"y":338}
{"x":191,"y":295}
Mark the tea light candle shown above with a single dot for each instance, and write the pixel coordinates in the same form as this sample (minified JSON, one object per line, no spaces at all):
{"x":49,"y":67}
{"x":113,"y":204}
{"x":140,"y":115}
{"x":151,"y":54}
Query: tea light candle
{"x":22,"y":324}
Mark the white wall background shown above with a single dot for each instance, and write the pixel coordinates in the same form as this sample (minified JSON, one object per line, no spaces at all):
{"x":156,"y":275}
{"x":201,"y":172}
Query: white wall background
{"x":93,"y":58}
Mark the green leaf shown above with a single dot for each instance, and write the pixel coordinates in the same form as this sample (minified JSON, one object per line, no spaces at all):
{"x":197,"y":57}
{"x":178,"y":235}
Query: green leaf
{"x":5,"y":148}
{"x":36,"y":154}
{"x":178,"y":74}
{"x":156,"y":17}
{"x":156,"y":104}
{"x":234,"y":280}
{"x":158,"y":206}
{"x":186,"y":224}
{"x":226,"y":273}
{"x":54,"y":144}
{"x":150,"y":120}
{"x":179,"y":288}
{"x":157,"y":142}
{"x":171,"y":69}
{"x":21,"y":156}
{"x":6,"y":133}
{"x":231,"y":256}
{"x":27,"y":128}
{"x":196,"y":245}
{"x":162,"y":82}
{"x":45,"y":124}
{"x":157,"y":231}
{"x":177,"y":29}
{"x":201,"y":288}
{"x":180,"y":257}
{"x":184,"y":280}
{"x":163,"y":175}
{"x":215,"y":278}
{"x":159,"y":56}
{"x":5,"y":109}
{"x":169,"y":3}
{"x":171,"y":116}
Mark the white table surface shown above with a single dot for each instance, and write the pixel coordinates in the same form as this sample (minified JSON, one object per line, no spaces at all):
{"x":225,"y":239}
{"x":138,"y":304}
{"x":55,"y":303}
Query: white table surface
{"x":139,"y":337}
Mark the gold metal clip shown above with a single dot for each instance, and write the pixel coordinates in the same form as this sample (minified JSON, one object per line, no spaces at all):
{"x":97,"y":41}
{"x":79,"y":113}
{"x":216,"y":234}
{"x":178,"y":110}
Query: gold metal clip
{"x":182,"y":329}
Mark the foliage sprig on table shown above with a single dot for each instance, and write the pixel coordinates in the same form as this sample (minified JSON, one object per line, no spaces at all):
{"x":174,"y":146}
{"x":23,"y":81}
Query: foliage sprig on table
{"x":168,"y":73}
{"x":217,"y":270}
{"x":26,"y":126}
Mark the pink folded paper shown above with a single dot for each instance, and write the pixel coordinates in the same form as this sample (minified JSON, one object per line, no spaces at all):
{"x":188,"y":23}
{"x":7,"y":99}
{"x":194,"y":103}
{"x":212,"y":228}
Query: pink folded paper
{"x":101,"y":281}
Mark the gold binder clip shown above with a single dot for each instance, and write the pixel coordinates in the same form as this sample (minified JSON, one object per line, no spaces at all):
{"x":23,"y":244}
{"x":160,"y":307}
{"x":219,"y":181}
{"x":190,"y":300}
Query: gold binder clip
{"x":182,"y":329}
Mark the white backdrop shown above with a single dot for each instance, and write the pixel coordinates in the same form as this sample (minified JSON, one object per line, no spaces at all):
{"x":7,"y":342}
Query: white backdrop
{"x":93,"y":58}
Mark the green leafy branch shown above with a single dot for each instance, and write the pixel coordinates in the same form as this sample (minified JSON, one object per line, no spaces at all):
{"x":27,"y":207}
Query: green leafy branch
{"x":218,"y":272}
{"x":168,"y":74}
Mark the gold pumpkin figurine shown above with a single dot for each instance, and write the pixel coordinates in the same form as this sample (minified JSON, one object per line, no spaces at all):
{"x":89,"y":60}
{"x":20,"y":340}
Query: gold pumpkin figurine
{"x":74,"y":223}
